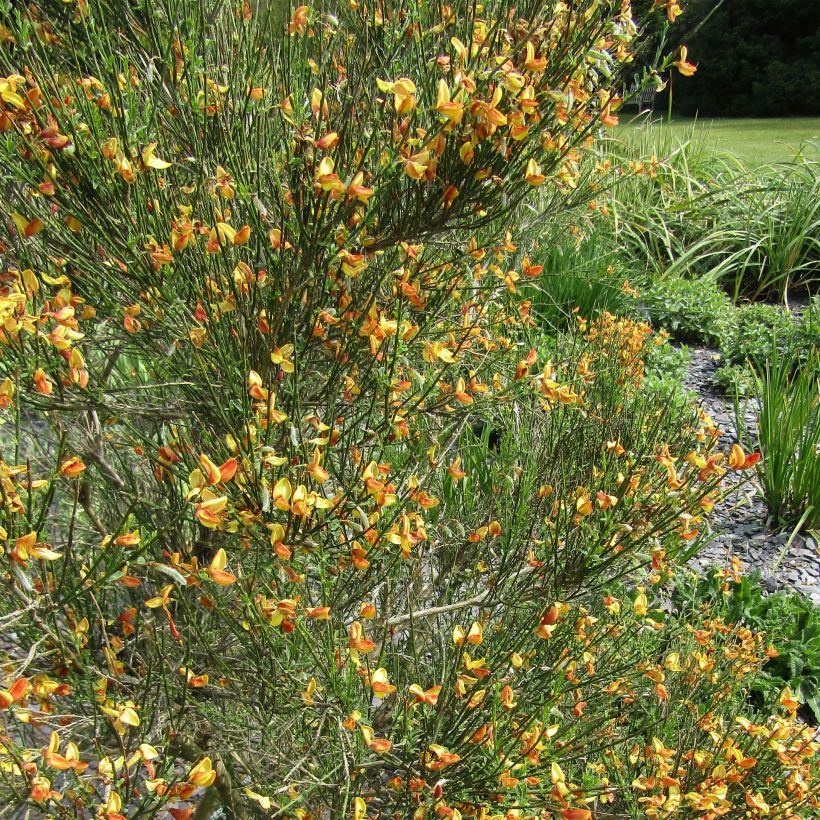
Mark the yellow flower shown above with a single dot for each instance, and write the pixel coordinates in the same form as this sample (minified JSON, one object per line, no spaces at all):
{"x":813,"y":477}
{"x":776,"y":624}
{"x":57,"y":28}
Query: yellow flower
{"x":202,"y":775}
{"x":217,"y":571}
{"x":453,"y":111}
{"x":403,"y":91}
{"x":687,"y":69}
{"x":282,"y":357}
{"x":150,"y":161}
{"x":533,"y":173}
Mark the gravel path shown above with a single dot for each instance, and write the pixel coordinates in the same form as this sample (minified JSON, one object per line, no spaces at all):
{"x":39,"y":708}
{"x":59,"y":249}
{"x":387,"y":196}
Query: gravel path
{"x":739,"y":523}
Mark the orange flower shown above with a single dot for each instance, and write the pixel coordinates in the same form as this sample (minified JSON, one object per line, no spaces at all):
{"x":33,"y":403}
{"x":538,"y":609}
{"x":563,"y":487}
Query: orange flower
{"x":298,"y":23}
{"x":738,"y":460}
{"x":416,"y":166}
{"x":228,"y":470}
{"x":508,"y":700}
{"x":428,"y":696}
{"x":403,"y":91}
{"x":687,"y":69}
{"x":7,"y":390}
{"x":202,"y":775}
{"x":326,"y":178}
{"x":380,"y":685}
{"x":788,"y":701}
{"x":441,"y":757}
{"x":452,"y":111}
{"x":212,"y":473}
{"x":328,"y":141}
{"x":319,"y":613}
{"x":673,"y":9}
{"x":319,"y":473}
{"x":533,"y":173}
{"x":359,"y":642}
{"x":755,"y":801}
{"x":14,"y":694}
{"x":216,"y":569}
{"x":26,"y":227}
{"x":128,"y":539}
{"x":209,"y":512}
{"x":356,"y":190}
{"x":72,"y":467}
{"x":42,"y":382}
{"x":455,"y":471}
{"x":70,"y":760}
{"x":242,"y":236}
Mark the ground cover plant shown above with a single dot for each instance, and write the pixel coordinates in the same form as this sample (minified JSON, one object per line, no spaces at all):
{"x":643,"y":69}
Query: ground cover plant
{"x":696,"y":311}
{"x":306,"y":513}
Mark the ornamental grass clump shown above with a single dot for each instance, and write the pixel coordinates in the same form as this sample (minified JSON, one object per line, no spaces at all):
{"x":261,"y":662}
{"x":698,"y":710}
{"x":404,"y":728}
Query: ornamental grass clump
{"x":258,"y":295}
{"x":786,"y":388}
{"x":680,"y":209}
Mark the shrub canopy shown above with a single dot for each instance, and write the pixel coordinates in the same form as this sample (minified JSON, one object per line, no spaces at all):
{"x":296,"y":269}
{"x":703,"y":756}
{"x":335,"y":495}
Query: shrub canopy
{"x":260,"y":305}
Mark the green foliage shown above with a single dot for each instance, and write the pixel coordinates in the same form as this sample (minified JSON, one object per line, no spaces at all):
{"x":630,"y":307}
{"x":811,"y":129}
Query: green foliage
{"x":787,"y":390}
{"x":664,"y":197}
{"x":768,"y":242}
{"x":734,"y":379}
{"x":789,"y":620}
{"x":666,"y":368}
{"x":680,"y":209}
{"x":580,"y":277}
{"x":752,"y":334}
{"x":696,"y":311}
{"x":755,"y":333}
{"x":756,"y":58}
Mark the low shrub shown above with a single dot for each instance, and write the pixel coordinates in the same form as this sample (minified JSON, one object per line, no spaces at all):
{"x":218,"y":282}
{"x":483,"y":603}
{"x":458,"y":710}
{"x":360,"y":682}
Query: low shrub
{"x":734,"y":380}
{"x":666,"y":367}
{"x":755,"y":333}
{"x":807,"y":331}
{"x":694,"y":311}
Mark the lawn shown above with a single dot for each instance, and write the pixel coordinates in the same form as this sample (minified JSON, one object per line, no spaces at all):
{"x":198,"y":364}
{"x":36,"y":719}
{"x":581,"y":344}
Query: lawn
{"x":754,"y":141}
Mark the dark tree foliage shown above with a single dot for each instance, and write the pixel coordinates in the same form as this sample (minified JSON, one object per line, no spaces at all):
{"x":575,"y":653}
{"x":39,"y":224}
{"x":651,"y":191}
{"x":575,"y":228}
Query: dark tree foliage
{"x":756,"y":58}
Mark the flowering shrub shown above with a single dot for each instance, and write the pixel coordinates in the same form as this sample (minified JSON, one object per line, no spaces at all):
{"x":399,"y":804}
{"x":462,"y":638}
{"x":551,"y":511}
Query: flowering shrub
{"x":257,"y":292}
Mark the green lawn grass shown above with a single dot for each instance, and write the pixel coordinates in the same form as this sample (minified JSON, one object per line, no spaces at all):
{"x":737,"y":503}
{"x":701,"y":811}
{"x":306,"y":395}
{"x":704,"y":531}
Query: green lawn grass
{"x":755,"y":142}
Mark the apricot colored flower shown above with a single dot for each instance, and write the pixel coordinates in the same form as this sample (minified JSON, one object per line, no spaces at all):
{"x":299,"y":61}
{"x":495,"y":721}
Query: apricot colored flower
{"x":685,"y":68}
{"x":202,"y":775}
{"x":72,"y":467}
{"x":738,"y":460}
{"x":216,"y":569}
{"x":403,"y":91}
